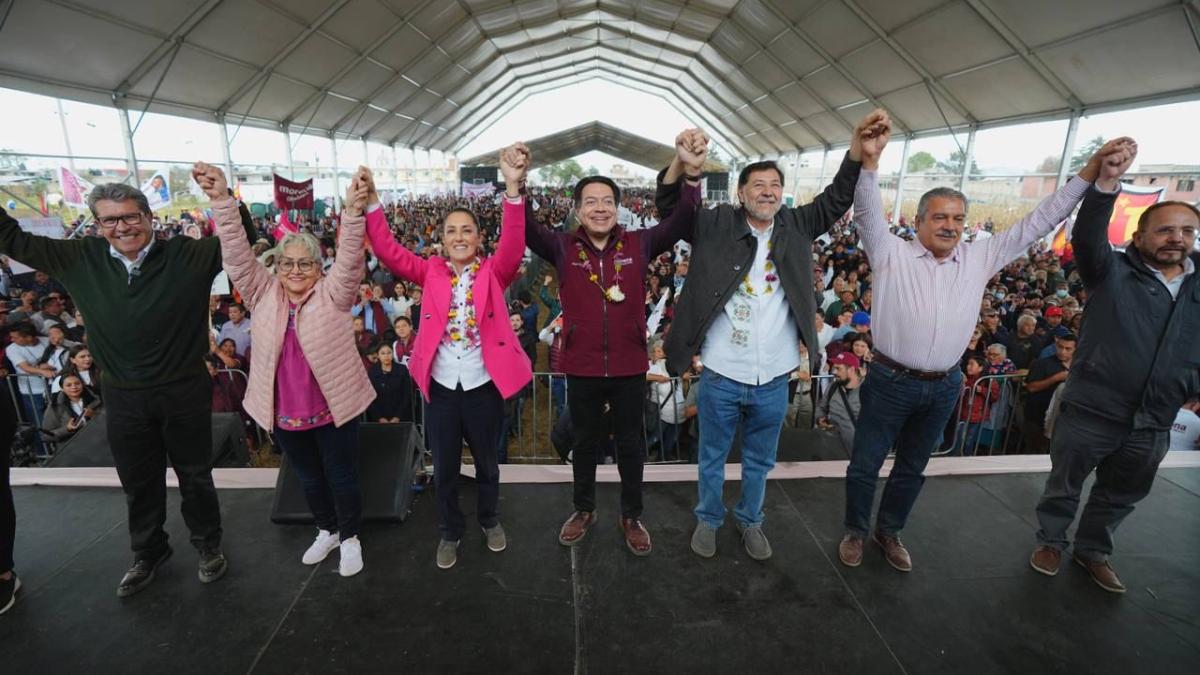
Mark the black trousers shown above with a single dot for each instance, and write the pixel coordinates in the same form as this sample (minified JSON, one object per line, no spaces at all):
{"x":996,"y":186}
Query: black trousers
{"x":1125,"y":461}
{"x":8,"y":511}
{"x":451,"y":417}
{"x":145,"y":427}
{"x":586,"y":397}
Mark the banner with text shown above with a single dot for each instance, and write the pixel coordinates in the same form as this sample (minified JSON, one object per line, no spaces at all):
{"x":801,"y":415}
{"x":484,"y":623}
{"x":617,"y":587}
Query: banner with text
{"x":292,"y":195}
{"x":473,"y":190}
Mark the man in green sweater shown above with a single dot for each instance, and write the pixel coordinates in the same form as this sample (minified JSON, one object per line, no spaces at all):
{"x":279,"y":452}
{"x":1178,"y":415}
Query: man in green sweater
{"x":146,"y":304}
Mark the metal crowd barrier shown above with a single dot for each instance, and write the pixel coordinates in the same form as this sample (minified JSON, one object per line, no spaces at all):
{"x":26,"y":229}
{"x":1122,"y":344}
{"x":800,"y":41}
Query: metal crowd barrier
{"x":541,"y":405}
{"x":998,"y":433}
{"x":654,"y":433}
{"x":536,"y":411}
{"x":28,"y":413}
{"x":260,"y":434}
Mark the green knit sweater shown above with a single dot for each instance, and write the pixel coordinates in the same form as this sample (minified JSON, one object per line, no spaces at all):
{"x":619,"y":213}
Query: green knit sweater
{"x":144,"y":330}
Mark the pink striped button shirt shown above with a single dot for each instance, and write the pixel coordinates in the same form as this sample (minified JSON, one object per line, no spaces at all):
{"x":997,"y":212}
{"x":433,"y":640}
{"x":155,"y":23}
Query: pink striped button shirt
{"x":925,"y":309}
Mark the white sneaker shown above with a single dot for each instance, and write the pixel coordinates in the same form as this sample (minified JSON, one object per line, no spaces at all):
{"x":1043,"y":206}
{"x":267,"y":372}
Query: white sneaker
{"x":321,"y":547}
{"x":352,"y":562}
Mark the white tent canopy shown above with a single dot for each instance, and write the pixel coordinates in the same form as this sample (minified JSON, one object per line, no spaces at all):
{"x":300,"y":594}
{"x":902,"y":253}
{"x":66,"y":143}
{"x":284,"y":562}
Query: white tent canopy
{"x":765,"y":77}
{"x":594,"y":136}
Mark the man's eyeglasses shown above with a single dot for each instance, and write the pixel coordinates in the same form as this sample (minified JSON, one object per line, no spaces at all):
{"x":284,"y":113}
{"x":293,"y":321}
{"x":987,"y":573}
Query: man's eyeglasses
{"x":305,"y":265}
{"x":109,"y":222}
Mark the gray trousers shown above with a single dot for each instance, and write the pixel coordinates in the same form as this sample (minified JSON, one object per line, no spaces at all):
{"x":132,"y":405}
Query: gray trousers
{"x":1125,"y":462}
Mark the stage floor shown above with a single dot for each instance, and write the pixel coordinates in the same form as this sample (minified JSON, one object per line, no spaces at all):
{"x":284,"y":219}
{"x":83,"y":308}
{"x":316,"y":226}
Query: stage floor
{"x":972,"y":605}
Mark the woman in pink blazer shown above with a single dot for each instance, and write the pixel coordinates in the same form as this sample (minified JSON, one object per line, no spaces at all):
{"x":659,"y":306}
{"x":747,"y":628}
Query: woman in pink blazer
{"x":466,"y":359}
{"x":307,"y":382}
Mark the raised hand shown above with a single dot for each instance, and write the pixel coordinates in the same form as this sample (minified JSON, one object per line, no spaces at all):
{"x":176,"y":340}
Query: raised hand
{"x":356,"y":197}
{"x":869,"y":138}
{"x":691,"y":149}
{"x":1091,"y":171}
{"x":211,"y":180}
{"x":365,"y":177}
{"x":514,"y":165}
{"x":1114,"y":164}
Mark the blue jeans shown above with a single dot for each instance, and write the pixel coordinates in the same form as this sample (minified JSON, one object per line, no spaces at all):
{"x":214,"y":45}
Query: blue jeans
{"x":326,"y":460}
{"x":558,"y":394}
{"x":669,"y":438}
{"x":34,"y":407}
{"x":722,"y":405}
{"x":899,"y":411}
{"x":968,"y":446}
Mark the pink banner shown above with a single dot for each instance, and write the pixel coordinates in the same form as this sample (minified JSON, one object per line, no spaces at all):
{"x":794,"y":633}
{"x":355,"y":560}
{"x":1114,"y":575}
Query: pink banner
{"x":75,"y":189}
{"x":285,"y":227}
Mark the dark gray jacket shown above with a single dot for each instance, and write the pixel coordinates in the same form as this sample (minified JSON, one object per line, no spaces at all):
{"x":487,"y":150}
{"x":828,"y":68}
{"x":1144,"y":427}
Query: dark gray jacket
{"x":1138,"y":359}
{"x":841,"y":407}
{"x":723,"y":251}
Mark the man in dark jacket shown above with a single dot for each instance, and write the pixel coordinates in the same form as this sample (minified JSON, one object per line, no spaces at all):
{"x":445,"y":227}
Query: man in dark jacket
{"x":1136,"y":364}
{"x":157,"y":393}
{"x":747,"y":308}
{"x":601,"y":275}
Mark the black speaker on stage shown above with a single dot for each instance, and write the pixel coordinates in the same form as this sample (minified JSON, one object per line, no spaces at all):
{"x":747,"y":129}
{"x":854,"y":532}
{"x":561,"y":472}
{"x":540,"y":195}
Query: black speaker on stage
{"x":387,"y":455}
{"x":230,"y":449}
{"x":90,"y":446}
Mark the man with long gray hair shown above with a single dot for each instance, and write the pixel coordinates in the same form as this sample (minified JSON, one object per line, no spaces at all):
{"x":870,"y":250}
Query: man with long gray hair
{"x":926,"y":298}
{"x":157,"y":393}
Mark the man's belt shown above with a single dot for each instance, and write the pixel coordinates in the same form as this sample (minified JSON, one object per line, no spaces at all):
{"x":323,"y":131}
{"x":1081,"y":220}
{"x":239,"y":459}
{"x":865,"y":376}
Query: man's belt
{"x":927,"y":375}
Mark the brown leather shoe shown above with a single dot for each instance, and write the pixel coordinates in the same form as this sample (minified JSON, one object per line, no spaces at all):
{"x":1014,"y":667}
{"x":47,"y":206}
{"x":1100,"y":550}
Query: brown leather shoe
{"x":850,"y":550}
{"x":575,"y":527}
{"x":1045,"y":559}
{"x":1102,"y":573}
{"x":894,"y":552}
{"x":636,"y":536}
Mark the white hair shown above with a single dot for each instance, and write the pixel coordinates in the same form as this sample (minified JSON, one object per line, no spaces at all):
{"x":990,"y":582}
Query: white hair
{"x":304,"y":239}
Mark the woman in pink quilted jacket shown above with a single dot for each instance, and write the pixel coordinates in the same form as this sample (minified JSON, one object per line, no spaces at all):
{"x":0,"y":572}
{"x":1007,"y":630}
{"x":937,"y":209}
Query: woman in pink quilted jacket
{"x":307,"y":382}
{"x":466,"y":359}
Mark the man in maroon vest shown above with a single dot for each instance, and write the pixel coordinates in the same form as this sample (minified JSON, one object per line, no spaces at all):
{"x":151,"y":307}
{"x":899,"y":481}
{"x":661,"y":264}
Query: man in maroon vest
{"x":601,"y":272}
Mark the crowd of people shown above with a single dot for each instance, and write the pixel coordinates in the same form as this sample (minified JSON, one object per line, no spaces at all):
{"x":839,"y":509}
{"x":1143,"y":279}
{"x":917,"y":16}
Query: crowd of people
{"x":909,"y":338}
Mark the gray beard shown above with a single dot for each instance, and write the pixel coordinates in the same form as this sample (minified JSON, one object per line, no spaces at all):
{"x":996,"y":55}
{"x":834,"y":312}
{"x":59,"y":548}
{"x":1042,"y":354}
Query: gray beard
{"x":767,"y":214}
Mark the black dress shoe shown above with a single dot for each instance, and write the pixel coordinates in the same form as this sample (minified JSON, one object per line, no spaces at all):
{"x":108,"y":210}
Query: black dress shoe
{"x":141,"y":574}
{"x":212,"y":566}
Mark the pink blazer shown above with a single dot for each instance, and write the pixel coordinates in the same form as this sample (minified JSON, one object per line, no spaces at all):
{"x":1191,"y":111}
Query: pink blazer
{"x":323,"y":323}
{"x":503,"y":357}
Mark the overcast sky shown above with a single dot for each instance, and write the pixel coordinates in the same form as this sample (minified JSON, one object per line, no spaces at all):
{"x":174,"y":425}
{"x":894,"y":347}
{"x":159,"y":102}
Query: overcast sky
{"x":32,"y":125}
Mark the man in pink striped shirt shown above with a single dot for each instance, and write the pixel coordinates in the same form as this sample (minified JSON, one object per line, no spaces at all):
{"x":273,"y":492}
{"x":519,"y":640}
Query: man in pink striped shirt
{"x":926,"y":294}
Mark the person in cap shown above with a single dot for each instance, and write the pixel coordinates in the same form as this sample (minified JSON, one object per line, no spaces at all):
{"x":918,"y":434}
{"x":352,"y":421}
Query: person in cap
{"x":860,"y":322}
{"x":840,"y":406}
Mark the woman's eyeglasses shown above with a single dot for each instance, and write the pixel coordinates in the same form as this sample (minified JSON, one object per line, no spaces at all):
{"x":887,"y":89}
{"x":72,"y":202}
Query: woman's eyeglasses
{"x":305,"y":265}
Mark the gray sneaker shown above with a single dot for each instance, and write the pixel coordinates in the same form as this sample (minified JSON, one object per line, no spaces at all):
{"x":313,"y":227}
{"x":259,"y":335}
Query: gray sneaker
{"x":447,"y":554}
{"x":496,"y":541}
{"x":704,"y":541}
{"x":755,"y":541}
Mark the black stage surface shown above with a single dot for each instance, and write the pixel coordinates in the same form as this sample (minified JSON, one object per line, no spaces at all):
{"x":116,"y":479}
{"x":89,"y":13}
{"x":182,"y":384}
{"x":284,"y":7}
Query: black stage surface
{"x":972,"y":605}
